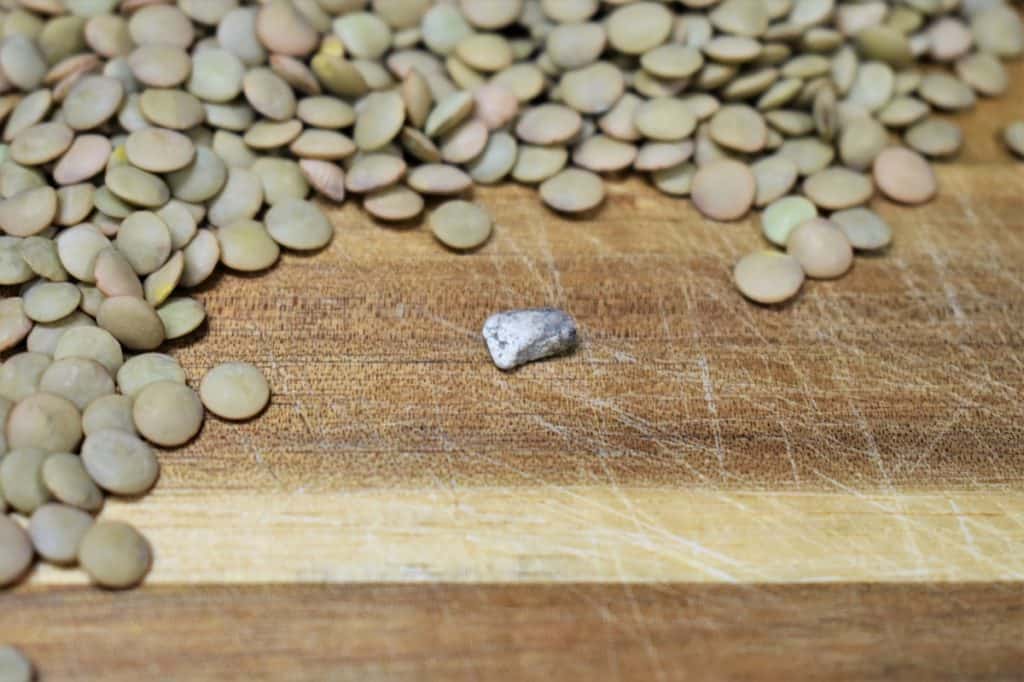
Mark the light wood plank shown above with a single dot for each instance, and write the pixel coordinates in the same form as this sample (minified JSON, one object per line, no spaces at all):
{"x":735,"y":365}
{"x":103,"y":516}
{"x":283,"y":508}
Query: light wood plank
{"x":572,"y":534}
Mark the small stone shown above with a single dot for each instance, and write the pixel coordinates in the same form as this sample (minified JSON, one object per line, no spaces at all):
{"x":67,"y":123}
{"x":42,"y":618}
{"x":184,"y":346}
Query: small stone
{"x":517,"y":337}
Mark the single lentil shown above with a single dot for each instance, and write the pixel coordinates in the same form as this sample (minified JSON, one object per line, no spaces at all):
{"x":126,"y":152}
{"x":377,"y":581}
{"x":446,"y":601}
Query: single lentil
{"x":235,"y":390}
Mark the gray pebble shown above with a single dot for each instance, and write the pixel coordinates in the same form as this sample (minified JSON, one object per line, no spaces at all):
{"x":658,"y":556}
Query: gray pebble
{"x":516,"y":337}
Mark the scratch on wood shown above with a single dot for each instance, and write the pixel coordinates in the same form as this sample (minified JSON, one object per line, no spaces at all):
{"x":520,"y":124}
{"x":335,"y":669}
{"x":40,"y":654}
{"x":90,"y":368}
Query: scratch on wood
{"x":952,"y":298}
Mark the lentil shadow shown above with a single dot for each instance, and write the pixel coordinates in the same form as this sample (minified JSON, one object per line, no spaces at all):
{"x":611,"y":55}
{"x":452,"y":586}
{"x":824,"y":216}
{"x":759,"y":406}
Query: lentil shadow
{"x":162,"y":451}
{"x":465,"y":252}
{"x":403,"y":225}
{"x":194,"y":336}
{"x":778,"y":307}
{"x":211,"y":415}
{"x":140,"y":497}
{"x":542,"y":361}
{"x":589,"y":215}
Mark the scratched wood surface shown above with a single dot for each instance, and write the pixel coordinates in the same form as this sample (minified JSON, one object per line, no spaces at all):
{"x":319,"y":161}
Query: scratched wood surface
{"x":861,"y":632}
{"x":580,"y":517}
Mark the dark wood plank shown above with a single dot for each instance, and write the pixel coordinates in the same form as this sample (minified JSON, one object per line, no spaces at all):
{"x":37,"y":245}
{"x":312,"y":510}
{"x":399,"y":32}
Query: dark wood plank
{"x":543,"y":632}
{"x":904,"y":374}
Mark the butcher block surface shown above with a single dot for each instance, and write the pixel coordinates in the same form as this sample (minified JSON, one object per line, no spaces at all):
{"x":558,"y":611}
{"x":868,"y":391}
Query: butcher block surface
{"x":706,"y":489}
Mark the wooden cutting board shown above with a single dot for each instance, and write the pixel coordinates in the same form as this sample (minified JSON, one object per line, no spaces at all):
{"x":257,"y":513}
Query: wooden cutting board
{"x":705,"y":490}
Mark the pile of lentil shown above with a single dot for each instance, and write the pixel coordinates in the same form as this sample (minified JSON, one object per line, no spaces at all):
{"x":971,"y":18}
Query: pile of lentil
{"x":147,"y":142}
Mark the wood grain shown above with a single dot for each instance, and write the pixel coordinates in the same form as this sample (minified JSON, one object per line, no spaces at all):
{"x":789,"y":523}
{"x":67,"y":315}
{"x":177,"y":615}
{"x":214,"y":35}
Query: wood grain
{"x":559,"y":533}
{"x":566,"y":632}
{"x":690,"y":424}
{"x":871,"y":431}
{"x":902,"y":374}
